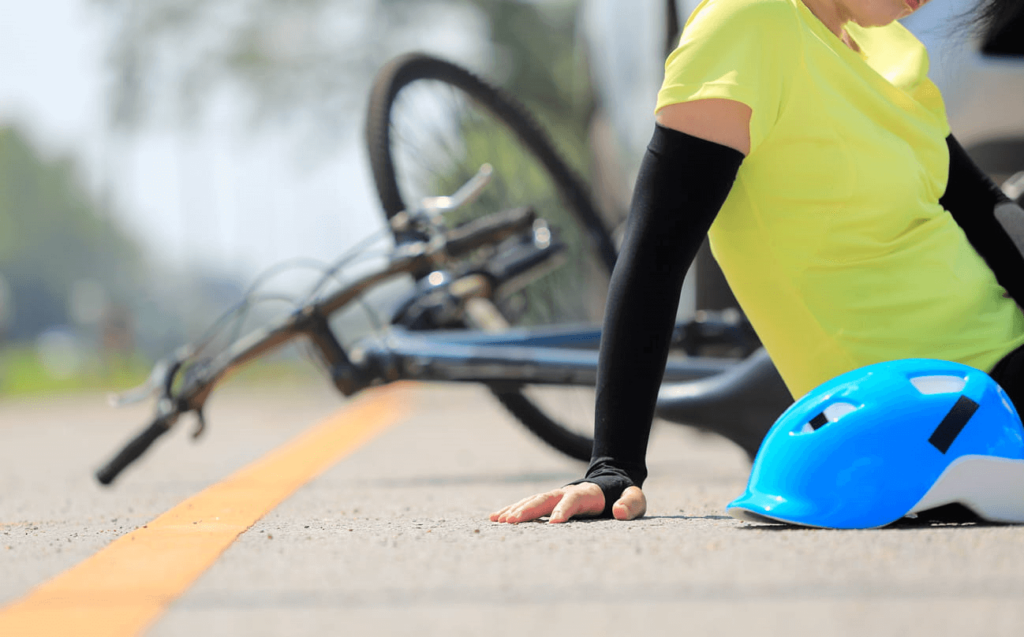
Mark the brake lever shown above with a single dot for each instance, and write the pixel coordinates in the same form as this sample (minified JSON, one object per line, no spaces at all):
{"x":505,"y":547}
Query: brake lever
{"x":158,"y":383}
{"x":435,"y":206}
{"x":432,"y":209}
{"x":200,"y":424}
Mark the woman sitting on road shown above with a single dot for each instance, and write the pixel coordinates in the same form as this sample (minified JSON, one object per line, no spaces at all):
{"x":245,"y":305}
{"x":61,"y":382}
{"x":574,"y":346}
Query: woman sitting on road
{"x":806,"y":139}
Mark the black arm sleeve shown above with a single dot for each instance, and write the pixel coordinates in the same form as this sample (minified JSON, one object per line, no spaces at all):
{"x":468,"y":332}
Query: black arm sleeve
{"x":683,"y":182}
{"x":972,"y":198}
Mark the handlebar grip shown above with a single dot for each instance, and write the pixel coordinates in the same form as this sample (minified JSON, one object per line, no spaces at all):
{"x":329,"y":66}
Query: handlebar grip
{"x":490,"y":229}
{"x":133,"y":450}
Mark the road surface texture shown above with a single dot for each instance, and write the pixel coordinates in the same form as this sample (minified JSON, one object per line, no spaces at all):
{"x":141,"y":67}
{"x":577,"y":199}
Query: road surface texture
{"x":393,"y":537}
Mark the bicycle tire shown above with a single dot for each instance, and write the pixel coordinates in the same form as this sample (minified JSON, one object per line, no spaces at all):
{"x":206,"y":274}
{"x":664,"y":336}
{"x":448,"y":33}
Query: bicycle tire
{"x":572,"y":444}
{"x":409,"y":69}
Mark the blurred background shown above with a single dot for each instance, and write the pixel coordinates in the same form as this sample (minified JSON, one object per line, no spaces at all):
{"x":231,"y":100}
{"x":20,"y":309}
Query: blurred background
{"x":156,"y":156}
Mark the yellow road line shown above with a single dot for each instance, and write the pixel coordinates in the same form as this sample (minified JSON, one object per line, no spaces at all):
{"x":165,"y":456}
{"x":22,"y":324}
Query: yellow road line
{"x":126,"y":586}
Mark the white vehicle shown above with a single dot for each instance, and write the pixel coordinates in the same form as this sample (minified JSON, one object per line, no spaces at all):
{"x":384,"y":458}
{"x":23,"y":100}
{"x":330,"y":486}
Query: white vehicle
{"x":982,"y":80}
{"x":984,"y":92}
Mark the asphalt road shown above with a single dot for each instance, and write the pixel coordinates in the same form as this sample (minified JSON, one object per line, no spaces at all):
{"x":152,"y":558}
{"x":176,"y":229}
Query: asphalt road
{"x":394,"y":538}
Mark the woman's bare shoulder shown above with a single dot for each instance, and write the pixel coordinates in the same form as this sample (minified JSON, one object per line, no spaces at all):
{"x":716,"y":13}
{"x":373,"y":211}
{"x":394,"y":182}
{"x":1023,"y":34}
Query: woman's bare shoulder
{"x":725,"y":122}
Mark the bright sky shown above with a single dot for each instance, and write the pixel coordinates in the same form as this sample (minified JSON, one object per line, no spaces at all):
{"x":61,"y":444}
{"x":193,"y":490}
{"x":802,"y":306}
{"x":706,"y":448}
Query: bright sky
{"x":207,"y":198}
{"x":49,"y":70}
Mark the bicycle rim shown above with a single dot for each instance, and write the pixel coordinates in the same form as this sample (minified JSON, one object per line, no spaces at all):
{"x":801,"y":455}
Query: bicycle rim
{"x":430,"y":126}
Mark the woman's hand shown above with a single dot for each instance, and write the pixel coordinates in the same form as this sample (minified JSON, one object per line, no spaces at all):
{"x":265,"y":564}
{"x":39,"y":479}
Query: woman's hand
{"x":576,"y":500}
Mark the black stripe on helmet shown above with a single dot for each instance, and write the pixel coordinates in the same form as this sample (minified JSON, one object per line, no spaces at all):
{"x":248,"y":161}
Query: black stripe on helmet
{"x":954,"y":422}
{"x":819,"y":421}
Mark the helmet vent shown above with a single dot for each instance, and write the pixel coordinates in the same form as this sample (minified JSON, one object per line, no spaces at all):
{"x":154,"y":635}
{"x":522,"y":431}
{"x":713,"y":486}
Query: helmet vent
{"x":930,"y":385}
{"x":832,"y":413}
{"x":835,"y":411}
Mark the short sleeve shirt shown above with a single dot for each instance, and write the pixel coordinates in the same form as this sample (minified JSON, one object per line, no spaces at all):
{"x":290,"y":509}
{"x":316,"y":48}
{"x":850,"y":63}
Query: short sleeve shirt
{"x":833,"y":238}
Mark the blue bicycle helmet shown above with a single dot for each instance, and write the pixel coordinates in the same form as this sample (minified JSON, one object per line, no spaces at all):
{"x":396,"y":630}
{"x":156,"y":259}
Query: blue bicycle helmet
{"x":886,"y":441}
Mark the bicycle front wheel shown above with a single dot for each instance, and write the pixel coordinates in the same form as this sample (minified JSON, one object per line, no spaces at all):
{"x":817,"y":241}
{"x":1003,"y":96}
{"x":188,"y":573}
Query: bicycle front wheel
{"x":430,"y":126}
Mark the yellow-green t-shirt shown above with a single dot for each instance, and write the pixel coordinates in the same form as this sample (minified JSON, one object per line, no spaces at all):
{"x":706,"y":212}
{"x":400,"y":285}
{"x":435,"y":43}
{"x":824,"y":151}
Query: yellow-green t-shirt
{"x":833,"y":238}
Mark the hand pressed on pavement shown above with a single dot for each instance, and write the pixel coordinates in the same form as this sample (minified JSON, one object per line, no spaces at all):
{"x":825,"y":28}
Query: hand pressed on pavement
{"x":577,"y":500}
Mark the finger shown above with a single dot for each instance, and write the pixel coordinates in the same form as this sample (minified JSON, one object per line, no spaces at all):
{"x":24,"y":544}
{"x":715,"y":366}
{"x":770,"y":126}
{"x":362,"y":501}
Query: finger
{"x":631,"y":505}
{"x":577,"y":502}
{"x":497,"y":514}
{"x":505,"y":512}
{"x":537,"y":507}
{"x":532,"y":508}
{"x":565,"y":509}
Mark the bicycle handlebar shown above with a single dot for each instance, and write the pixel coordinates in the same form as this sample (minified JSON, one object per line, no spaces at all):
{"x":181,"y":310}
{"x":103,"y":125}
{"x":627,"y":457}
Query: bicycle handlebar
{"x":136,"y":447}
{"x":489,"y":230}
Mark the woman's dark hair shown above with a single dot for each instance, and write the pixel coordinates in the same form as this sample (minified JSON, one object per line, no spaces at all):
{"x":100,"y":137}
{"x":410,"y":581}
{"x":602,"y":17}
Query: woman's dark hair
{"x":1000,"y":26}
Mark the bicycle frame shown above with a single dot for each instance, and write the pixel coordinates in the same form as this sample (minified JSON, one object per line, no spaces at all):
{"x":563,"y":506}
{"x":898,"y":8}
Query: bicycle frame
{"x":566,"y":356}
{"x":736,"y":398}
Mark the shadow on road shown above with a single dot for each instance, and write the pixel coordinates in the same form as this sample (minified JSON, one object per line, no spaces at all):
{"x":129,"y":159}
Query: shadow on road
{"x":950,"y":516}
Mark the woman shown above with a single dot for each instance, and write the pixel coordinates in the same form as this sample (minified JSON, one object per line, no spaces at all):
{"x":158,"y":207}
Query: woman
{"x":805,"y":138}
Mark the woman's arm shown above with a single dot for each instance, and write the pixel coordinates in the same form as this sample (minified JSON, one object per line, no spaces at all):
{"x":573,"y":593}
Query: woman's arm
{"x":683,"y":182}
{"x":684,"y":179}
{"x":993,"y":224}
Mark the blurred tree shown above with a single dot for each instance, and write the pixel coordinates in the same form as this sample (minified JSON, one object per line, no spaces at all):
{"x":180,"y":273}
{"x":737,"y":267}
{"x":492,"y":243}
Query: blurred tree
{"x":290,"y":60}
{"x":53,"y":235}
{"x":309,"y":62}
{"x":536,"y":56}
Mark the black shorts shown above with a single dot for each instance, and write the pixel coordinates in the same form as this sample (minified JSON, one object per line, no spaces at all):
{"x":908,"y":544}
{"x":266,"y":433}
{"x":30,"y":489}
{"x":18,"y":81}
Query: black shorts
{"x":1009,"y":373}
